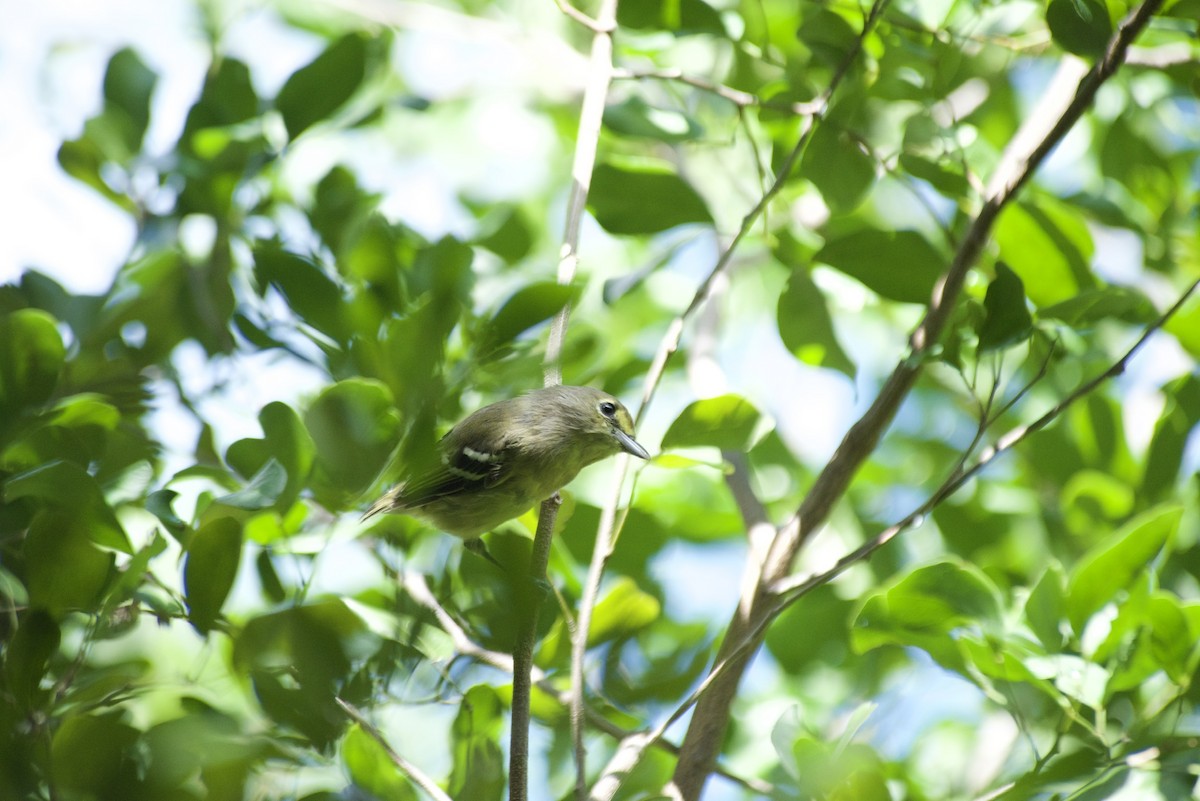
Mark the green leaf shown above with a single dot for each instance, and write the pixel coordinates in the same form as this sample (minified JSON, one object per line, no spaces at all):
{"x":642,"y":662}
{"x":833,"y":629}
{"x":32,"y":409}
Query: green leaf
{"x":1048,"y":245}
{"x":1107,"y":303}
{"x":1185,"y":326}
{"x":836,"y":164}
{"x":158,"y":503}
{"x":806,"y":326}
{"x":678,"y":16}
{"x":28,"y":657}
{"x":354,"y":427}
{"x":728,"y":422}
{"x":65,"y":571}
{"x":262,"y":491}
{"x":1171,"y":637}
{"x":311,"y":293}
{"x":478,"y":770}
{"x":1180,"y":414}
{"x":634,"y":117}
{"x":1112,"y":566}
{"x":372,"y":769}
{"x":210,"y":569}
{"x":1007,"y":319}
{"x":1045,"y":609}
{"x":95,"y":751}
{"x":319,"y":88}
{"x":527,"y":307}
{"x":622,"y":612}
{"x":925,"y":608}
{"x":66,"y":487}
{"x":31,"y":357}
{"x":285,"y":440}
{"x":643,"y":199}
{"x":1081,"y":27}
{"x":899,"y":265}
{"x":128,"y":88}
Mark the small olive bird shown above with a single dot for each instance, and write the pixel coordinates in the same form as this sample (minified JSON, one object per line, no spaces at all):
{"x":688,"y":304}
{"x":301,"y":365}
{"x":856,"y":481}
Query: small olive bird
{"x":501,"y":460}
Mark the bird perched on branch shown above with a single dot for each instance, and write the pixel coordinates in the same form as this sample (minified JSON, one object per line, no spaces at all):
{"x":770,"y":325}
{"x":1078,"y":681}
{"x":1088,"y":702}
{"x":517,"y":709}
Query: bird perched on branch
{"x":501,"y":460}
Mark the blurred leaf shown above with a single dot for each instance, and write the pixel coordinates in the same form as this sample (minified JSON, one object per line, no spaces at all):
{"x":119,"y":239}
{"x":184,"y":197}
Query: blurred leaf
{"x":318,"y":89}
{"x":806,"y":327}
{"x":728,"y":422}
{"x":1179,"y":417}
{"x":925,"y":608}
{"x":311,"y":293}
{"x":262,"y":491}
{"x":1008,"y":320}
{"x":679,"y":16}
{"x":28,"y":656}
{"x":1107,"y":303}
{"x":478,"y":770}
{"x":622,"y":612}
{"x":1045,"y":609}
{"x":372,"y":769}
{"x":837,"y":165}
{"x":211,"y":566}
{"x":31,"y":357}
{"x":899,"y":265}
{"x":1081,"y":27}
{"x":159,"y":504}
{"x":530,"y":305}
{"x":354,"y":427}
{"x":635,"y":117}
{"x":65,"y":571}
{"x":643,"y":199}
{"x":128,"y":88}
{"x":1185,"y":326}
{"x":1110,"y":567}
{"x":286,"y":441}
{"x":66,"y":487}
{"x":512,"y":239}
{"x":1172,"y":639}
{"x":828,"y":35}
{"x":92,"y":752}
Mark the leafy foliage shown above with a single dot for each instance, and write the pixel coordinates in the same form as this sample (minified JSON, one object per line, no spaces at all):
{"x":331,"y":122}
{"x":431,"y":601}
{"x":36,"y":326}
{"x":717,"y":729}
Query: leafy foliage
{"x":184,"y":625}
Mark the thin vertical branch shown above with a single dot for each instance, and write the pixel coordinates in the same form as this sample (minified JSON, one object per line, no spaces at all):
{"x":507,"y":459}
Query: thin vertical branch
{"x":586,"y":144}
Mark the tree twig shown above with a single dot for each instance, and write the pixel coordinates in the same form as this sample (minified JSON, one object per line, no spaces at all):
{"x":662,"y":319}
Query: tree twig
{"x":410,"y":770}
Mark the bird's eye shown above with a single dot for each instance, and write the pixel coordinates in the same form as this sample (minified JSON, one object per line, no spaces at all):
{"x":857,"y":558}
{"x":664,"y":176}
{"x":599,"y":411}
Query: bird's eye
{"x":608,"y":408}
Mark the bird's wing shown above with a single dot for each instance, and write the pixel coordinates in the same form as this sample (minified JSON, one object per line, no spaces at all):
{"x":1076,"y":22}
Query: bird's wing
{"x":463,"y":469}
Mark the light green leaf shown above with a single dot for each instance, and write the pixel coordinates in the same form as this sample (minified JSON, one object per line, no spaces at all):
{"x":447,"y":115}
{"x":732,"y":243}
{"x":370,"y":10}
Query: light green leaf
{"x":1112,"y":566}
{"x":210,"y":569}
{"x":622,"y":612}
{"x":806,"y":326}
{"x":728,"y":422}
{"x":372,"y":769}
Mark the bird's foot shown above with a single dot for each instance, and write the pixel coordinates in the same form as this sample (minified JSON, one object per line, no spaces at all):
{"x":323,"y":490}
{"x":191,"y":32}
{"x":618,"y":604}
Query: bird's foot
{"x":477,"y":547}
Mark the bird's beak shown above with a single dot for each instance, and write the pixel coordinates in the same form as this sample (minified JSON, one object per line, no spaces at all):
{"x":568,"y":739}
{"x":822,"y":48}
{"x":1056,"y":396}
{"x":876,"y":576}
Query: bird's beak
{"x":630,"y":445}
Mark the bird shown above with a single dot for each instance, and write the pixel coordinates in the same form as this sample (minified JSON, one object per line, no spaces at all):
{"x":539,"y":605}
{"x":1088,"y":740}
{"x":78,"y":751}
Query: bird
{"x":501,"y":460}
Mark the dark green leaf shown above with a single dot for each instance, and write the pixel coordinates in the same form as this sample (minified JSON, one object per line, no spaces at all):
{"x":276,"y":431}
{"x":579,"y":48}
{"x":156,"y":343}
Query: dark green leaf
{"x":31,"y":357}
{"x":1081,"y":27}
{"x":634,"y":117}
{"x":728,"y":422}
{"x":836,"y":164}
{"x":64,"y":569}
{"x":806,"y":326}
{"x":1180,"y":415}
{"x":644,"y":199}
{"x":311,"y":293}
{"x":210,"y":569}
{"x":91,"y":752}
{"x":28,"y":657}
{"x":354,"y":427}
{"x":1008,"y":320}
{"x":678,"y":16}
{"x":128,"y":87}
{"x":900,"y":265}
{"x":159,"y":504}
{"x":318,"y":89}
{"x":529,"y":306}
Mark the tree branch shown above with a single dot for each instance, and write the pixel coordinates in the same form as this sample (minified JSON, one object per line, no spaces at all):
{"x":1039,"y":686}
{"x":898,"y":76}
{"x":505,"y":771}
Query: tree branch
{"x":410,"y":770}
{"x":710,"y":720}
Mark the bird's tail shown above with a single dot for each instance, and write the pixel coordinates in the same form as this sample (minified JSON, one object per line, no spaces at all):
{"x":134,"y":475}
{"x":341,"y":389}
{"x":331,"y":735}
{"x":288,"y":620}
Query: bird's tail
{"x":385,"y":504}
